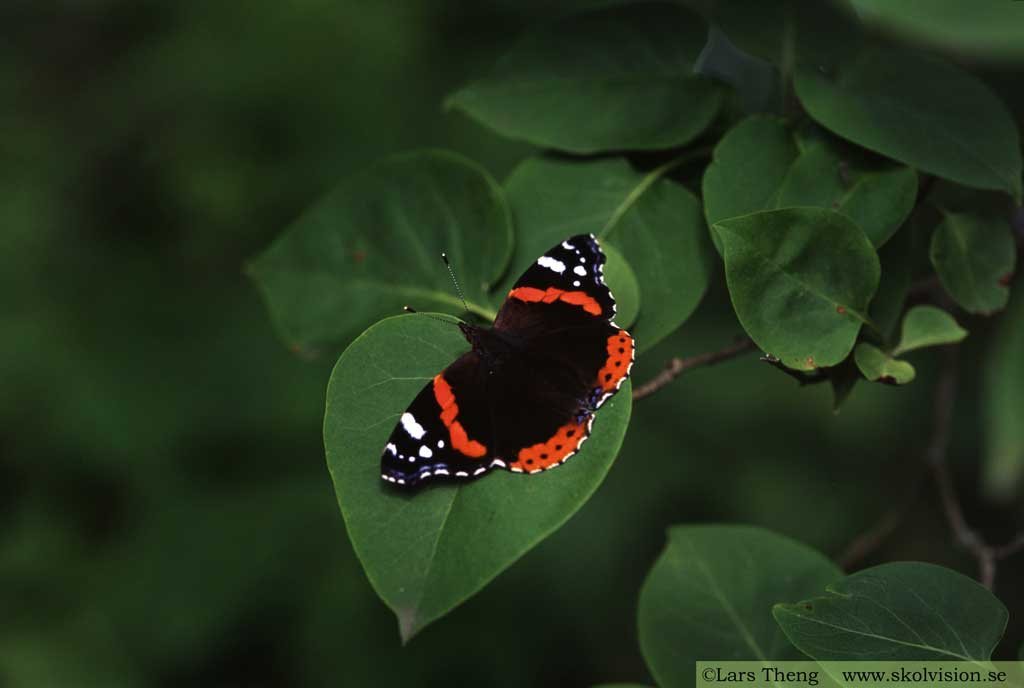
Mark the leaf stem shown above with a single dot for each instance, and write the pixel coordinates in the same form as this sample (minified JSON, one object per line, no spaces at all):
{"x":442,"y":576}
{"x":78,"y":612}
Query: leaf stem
{"x":677,"y":366}
{"x":649,"y":179}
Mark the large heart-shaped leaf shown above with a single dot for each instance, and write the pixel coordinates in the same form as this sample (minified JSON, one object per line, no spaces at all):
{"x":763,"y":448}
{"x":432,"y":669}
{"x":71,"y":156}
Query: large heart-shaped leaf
{"x":897,"y":611}
{"x":974,"y":257}
{"x":759,"y":165}
{"x":1003,"y":406}
{"x":425,"y":552}
{"x":921,"y":111}
{"x":615,"y":78}
{"x":800,"y":280}
{"x":654,"y":223}
{"x":710,"y":595}
{"x":374,"y":244}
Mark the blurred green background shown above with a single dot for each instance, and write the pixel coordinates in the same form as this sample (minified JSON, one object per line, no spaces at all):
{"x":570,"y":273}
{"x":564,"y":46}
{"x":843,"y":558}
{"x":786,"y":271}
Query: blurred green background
{"x":166,"y":517}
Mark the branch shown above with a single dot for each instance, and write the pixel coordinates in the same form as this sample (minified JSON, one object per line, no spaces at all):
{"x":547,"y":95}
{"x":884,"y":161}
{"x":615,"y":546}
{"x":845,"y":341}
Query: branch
{"x":677,"y":366}
{"x":936,"y":454}
{"x":987,"y":555}
{"x":1012,"y":547}
{"x":935,"y":457}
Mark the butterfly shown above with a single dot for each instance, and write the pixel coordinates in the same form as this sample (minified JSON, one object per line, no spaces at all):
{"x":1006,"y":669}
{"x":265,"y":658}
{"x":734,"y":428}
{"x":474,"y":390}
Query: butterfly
{"x":523,"y":398}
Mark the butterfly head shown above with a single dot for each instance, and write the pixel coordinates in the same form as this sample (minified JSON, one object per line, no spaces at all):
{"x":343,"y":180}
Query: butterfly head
{"x":492,"y":348}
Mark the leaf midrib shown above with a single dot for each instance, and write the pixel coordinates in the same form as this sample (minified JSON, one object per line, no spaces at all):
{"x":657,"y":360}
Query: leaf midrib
{"x":645,"y":183}
{"x":930,"y":648}
{"x":866,"y":95}
{"x":961,"y":243}
{"x":748,"y":638}
{"x":405,"y":290}
{"x":433,"y":557}
{"x":849,"y":309}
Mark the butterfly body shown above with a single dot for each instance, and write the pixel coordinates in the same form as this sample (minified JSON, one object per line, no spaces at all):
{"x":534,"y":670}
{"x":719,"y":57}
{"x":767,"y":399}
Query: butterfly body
{"x":523,"y":398}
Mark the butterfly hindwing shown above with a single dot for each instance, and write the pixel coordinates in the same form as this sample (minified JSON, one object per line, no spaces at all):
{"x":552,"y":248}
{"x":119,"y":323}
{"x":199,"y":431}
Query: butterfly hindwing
{"x":573,"y":357}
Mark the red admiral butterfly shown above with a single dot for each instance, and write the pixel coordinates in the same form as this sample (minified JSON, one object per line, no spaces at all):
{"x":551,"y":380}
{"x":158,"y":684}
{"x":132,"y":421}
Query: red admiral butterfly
{"x":524,"y":397}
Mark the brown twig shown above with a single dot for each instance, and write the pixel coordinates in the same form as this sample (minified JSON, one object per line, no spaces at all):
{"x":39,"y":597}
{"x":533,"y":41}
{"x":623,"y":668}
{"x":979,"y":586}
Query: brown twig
{"x":1012,"y":547}
{"x":936,"y":454}
{"x":987,"y":555}
{"x":677,"y":366}
{"x":935,"y":457}
{"x":923,"y":288}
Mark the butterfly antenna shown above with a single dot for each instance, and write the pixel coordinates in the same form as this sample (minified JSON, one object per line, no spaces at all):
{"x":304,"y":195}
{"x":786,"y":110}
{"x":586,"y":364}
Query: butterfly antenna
{"x":458,"y":289}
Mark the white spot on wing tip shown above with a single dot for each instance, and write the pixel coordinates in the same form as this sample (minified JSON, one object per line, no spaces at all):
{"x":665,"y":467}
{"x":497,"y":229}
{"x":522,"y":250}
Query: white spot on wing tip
{"x":551,"y":264}
{"x":580,"y":270}
{"x":426,"y":452}
{"x":410,"y":425}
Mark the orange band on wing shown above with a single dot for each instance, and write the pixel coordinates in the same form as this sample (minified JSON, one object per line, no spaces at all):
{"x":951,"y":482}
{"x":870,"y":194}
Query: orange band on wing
{"x":566,"y":441}
{"x":550,"y":295}
{"x":449,"y":410}
{"x":620,"y":359}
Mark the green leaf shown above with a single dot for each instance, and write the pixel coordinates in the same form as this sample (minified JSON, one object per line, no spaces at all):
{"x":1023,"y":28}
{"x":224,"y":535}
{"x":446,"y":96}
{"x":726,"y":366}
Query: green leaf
{"x":426,"y":552}
{"x":374,"y":244}
{"x":747,"y":169}
{"x":920,"y":111}
{"x":615,"y":78}
{"x":898,"y":611}
{"x":1003,"y":406}
{"x":928,"y":326}
{"x":711,"y":592}
{"x":653,"y":222}
{"x":878,"y":197}
{"x":993,"y":29}
{"x":621,"y":279}
{"x":878,"y":366}
{"x":974,"y":257}
{"x":800,"y":280}
{"x":759,"y":165}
